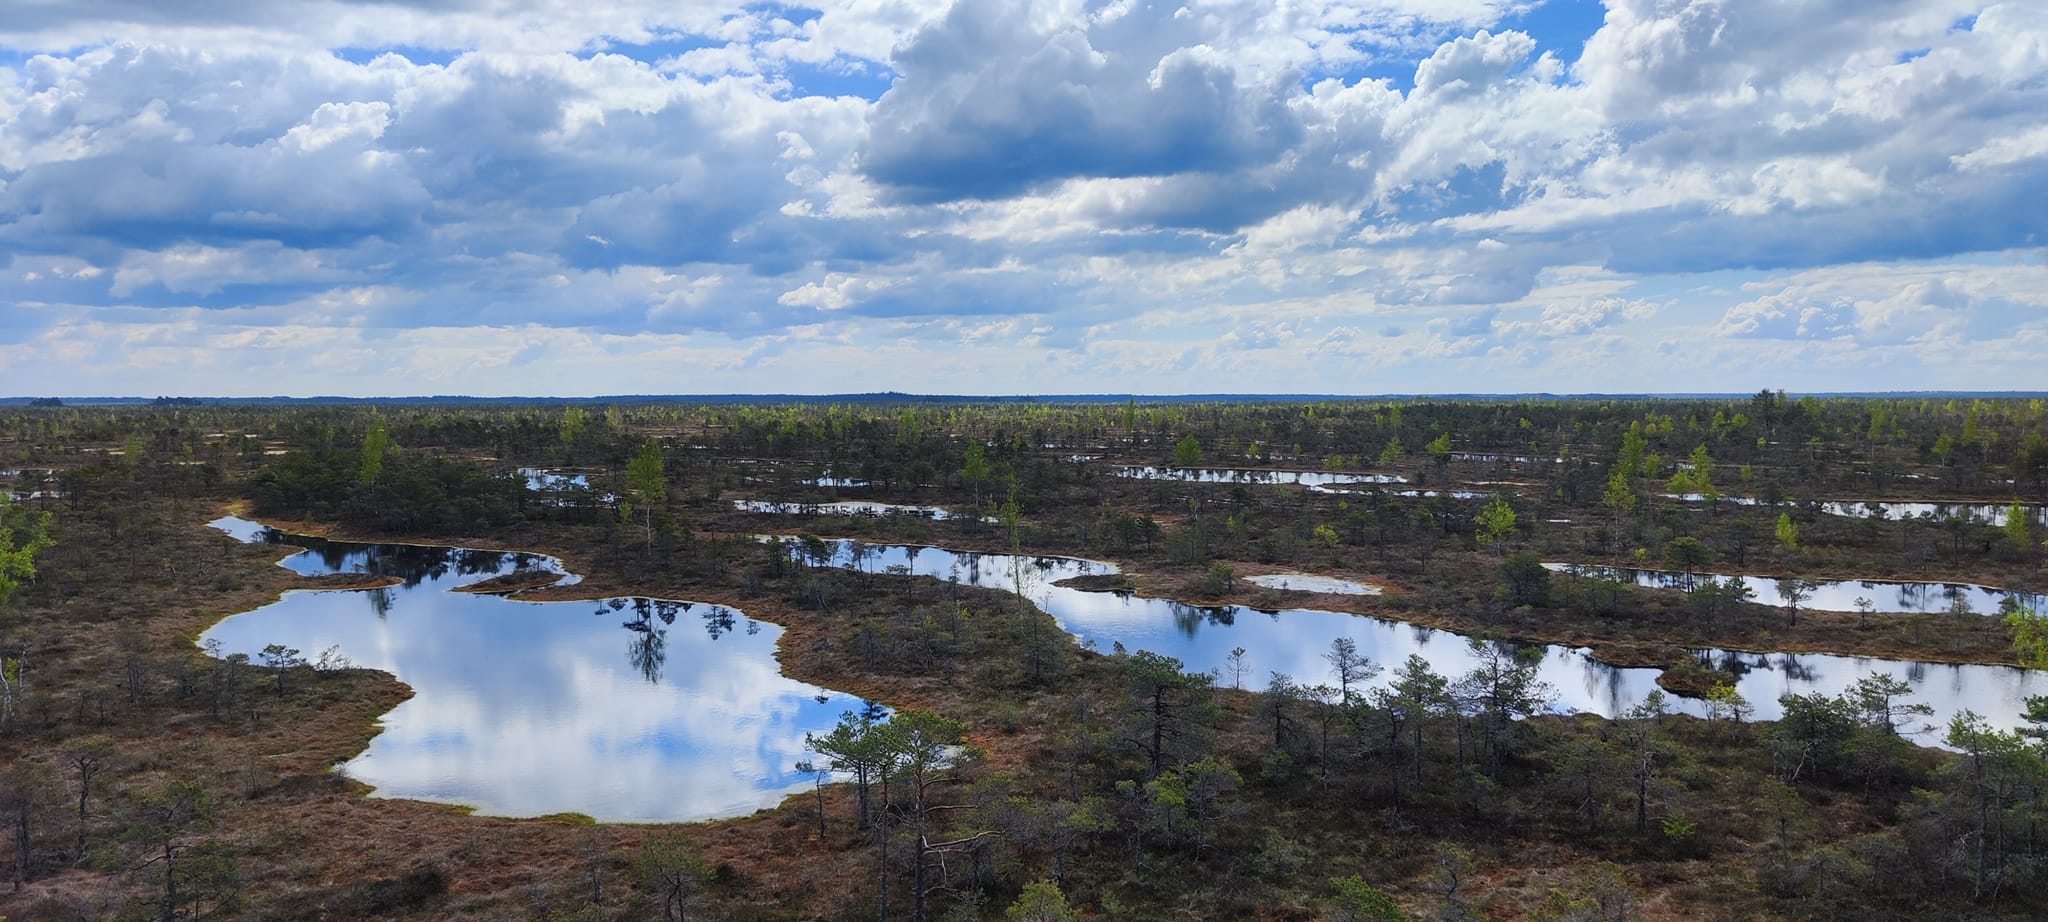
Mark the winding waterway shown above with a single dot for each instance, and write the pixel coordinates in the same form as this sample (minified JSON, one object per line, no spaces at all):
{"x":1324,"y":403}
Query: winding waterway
{"x":1885,"y":596}
{"x":1293,"y":641}
{"x":636,"y":709}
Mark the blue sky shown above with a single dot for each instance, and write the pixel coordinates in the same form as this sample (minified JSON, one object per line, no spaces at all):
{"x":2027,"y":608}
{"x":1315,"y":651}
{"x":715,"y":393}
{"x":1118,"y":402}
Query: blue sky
{"x":564,"y":197}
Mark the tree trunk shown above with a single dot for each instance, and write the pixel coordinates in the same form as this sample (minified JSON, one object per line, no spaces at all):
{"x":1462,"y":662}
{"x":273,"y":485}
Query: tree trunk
{"x":170,"y":908}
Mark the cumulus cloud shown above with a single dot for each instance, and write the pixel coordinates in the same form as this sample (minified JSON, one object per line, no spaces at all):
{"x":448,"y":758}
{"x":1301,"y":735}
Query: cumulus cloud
{"x":1156,"y":185}
{"x":1000,"y":97}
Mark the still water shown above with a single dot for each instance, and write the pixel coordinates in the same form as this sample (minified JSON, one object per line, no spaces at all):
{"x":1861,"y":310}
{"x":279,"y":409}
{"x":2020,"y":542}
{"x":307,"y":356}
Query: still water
{"x":1992,"y":514}
{"x":1293,"y":641}
{"x":636,"y":710}
{"x":1246,"y":475}
{"x":844,"y":507}
{"x":1886,"y":596}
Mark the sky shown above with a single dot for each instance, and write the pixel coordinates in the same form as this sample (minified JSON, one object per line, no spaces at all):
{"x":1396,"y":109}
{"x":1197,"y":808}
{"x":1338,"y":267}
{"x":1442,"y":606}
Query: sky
{"x":574,"y":198}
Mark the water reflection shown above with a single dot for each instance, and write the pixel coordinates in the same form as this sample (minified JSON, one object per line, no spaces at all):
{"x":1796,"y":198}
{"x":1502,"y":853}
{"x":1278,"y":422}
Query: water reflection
{"x":1293,"y":642}
{"x":562,"y":488}
{"x":1988,"y":514}
{"x":1884,"y":596}
{"x":641,"y":713}
{"x":844,"y":507}
{"x":1309,"y":582}
{"x":1244,"y":475}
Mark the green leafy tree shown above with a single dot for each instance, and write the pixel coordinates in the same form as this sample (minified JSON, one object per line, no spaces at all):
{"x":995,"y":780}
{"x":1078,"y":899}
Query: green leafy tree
{"x":1634,"y":459}
{"x":1725,"y":703}
{"x":647,"y":482}
{"x":1496,"y":521}
{"x":1187,"y":452}
{"x":1787,"y":533}
{"x":1041,"y":901}
{"x":1619,"y":497}
{"x":24,"y":534}
{"x":376,"y":447}
{"x":1391,"y":455}
{"x":2019,"y":528}
{"x":974,"y":468}
{"x":2029,"y":631}
{"x":1439,"y":450}
{"x":571,"y":425}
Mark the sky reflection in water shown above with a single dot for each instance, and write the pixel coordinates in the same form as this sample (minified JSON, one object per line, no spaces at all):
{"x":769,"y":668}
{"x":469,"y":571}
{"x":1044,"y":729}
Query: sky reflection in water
{"x":1293,"y":642}
{"x":641,"y":710}
{"x":623,"y":709}
{"x":1840,"y":595}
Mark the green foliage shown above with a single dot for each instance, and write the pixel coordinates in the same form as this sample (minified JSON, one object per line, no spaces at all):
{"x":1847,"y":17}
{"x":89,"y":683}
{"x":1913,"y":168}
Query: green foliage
{"x":1170,"y":707}
{"x":1326,"y":535}
{"x":1619,"y":496}
{"x":1358,"y":901}
{"x":974,"y":466}
{"x":1219,"y":581}
{"x":1496,"y":521}
{"x":2029,"y":630}
{"x":1725,"y":703}
{"x":1391,"y":455}
{"x":571,"y":425}
{"x":1677,"y":827}
{"x":376,"y":447}
{"x":413,"y":493}
{"x":670,"y":867}
{"x":1187,"y":452}
{"x":1787,"y":532}
{"x":1685,"y":554}
{"x":1041,"y":901}
{"x":644,"y":474}
{"x":24,"y":534}
{"x":2019,"y":527}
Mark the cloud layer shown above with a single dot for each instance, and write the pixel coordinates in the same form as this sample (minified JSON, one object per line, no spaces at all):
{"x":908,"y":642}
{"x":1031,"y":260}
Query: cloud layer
{"x":528,"y":196}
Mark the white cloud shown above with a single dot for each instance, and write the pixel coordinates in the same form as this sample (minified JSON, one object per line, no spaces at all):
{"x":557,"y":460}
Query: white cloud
{"x":1045,"y":176}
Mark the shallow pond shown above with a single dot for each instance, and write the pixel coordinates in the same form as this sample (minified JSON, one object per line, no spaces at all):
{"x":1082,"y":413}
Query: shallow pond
{"x":1502,"y":459}
{"x":1310,"y":582}
{"x":1247,"y":475}
{"x":843,"y":507}
{"x":1293,"y":641}
{"x":1992,"y":514}
{"x":1411,"y":494}
{"x":625,"y":709}
{"x":560,"y":487}
{"x":1887,"y":596}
